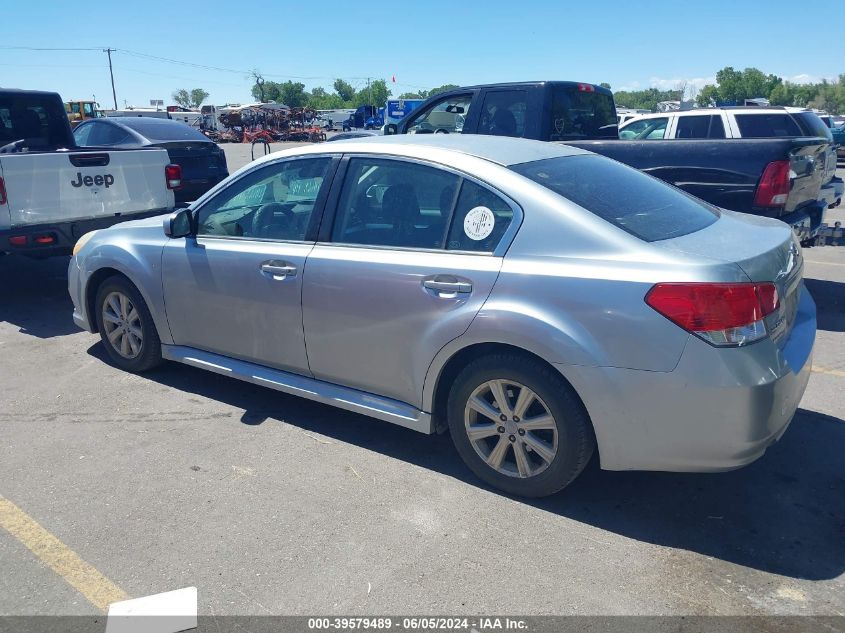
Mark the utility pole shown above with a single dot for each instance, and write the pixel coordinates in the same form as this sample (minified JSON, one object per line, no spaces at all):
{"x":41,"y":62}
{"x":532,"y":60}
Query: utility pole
{"x":369,"y":92}
{"x":109,"y":51}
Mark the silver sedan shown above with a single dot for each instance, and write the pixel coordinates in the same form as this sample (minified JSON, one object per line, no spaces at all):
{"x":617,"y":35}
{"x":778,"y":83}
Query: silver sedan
{"x":537,"y":301}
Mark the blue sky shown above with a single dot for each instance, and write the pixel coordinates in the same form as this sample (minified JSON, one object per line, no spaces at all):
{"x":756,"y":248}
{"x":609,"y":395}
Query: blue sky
{"x":424,"y":44}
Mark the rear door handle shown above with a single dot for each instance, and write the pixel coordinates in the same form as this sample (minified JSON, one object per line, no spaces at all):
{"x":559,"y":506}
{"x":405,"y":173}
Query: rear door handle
{"x":278,"y":270}
{"x":459,"y":287}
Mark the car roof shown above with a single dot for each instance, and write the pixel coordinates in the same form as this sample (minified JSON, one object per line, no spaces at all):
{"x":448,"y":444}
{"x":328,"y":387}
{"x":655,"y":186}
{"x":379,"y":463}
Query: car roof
{"x":146,"y":127}
{"x":502,"y":150}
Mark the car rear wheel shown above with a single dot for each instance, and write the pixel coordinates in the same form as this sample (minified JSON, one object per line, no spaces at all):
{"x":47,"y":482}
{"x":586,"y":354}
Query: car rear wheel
{"x":126,"y":326}
{"x":518,"y":425}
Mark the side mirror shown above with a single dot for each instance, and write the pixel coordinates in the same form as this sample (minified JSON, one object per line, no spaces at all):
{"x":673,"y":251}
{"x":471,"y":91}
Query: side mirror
{"x":178,"y":223}
{"x":391,"y":128}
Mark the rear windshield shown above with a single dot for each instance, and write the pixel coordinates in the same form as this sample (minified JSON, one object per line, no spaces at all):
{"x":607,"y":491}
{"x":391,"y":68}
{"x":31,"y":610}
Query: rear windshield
{"x":629,"y":199}
{"x":578,"y":114}
{"x":767,"y":125}
{"x":163,"y":129}
{"x":40,"y":121}
{"x":813,"y":125}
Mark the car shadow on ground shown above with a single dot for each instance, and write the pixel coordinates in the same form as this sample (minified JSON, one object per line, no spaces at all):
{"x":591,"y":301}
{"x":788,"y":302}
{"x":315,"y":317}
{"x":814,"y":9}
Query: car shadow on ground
{"x":784,"y":514}
{"x":830,"y":303}
{"x":34,"y":296}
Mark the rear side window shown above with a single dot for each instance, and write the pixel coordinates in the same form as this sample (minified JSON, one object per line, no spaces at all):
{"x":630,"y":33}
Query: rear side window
{"x":479,"y":221}
{"x":813,"y":125}
{"x":700,"y":127}
{"x":503,"y":113}
{"x":40,"y":121}
{"x":766,"y":125}
{"x":582,"y":114}
{"x":639,"y":204}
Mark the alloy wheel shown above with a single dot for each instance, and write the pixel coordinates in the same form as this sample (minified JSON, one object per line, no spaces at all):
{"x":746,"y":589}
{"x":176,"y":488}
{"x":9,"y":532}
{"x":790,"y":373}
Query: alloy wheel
{"x":122,"y":323}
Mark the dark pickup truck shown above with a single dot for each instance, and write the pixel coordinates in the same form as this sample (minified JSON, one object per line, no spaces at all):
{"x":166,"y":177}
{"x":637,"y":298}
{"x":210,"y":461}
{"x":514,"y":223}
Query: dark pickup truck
{"x":779,"y":177}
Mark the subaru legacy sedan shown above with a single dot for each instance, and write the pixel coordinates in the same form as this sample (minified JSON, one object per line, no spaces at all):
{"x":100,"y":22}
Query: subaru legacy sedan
{"x":538,"y":302}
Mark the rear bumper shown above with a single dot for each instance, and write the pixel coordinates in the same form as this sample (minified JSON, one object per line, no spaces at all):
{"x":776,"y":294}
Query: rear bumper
{"x":806,"y":221}
{"x":719,"y":409}
{"x":62,"y":234}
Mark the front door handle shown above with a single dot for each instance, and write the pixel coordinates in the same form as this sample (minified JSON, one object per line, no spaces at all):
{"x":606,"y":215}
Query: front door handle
{"x":278,"y":270}
{"x":457,"y":287}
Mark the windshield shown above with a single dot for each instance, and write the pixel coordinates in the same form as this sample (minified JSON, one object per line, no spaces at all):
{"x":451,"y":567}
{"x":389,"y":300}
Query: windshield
{"x":577,"y":113}
{"x":629,"y":199}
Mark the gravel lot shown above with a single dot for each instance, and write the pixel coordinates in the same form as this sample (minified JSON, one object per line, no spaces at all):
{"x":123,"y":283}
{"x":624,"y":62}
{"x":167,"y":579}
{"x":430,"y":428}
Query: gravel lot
{"x":272,"y":504}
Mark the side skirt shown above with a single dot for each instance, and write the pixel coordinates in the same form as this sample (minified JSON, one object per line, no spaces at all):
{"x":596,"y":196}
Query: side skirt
{"x":342,"y":397}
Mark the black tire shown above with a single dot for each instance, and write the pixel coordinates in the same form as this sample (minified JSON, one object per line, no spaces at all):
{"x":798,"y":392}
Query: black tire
{"x":149,"y":353}
{"x":575,"y":438}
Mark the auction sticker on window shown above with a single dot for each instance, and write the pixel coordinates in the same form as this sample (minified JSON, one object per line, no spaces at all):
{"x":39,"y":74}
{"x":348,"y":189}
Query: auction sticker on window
{"x":478,"y":223}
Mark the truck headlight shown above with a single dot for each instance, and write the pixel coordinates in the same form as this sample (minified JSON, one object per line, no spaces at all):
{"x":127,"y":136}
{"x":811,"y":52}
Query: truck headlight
{"x":82,"y":241}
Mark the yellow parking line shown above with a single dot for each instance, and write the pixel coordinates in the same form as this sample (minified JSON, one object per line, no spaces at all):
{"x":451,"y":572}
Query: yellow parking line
{"x":97,"y":589}
{"x":829,"y":372}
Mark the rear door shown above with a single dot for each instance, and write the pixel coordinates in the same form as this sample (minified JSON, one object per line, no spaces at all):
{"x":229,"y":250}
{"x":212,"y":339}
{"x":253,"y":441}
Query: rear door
{"x":410,"y":257}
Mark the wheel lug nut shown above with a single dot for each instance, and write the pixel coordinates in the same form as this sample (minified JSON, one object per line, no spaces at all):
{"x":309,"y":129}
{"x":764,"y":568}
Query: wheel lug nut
{"x":503,"y":417}
{"x":516,"y":418}
{"x":501,"y":429}
{"x":512,"y":438}
{"x":521,"y":431}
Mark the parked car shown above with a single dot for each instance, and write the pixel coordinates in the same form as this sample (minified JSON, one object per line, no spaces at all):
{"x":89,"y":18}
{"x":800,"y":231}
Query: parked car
{"x":202,"y":161}
{"x":838,"y":136}
{"x":542,"y":110}
{"x":51,"y":191}
{"x":744,"y":122}
{"x":579,"y":114}
{"x":536,"y":300}
{"x":374,"y":122}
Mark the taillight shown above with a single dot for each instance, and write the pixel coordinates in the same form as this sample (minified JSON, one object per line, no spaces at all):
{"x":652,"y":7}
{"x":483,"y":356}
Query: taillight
{"x":2,"y":192}
{"x":773,"y":188}
{"x":586,"y":88}
{"x":720,"y":313}
{"x":173,"y":176}
{"x":18,"y":240}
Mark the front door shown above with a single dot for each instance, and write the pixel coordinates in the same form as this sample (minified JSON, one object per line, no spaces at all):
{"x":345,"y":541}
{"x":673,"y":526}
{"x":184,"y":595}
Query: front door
{"x":236,"y":288}
{"x":406,"y":266}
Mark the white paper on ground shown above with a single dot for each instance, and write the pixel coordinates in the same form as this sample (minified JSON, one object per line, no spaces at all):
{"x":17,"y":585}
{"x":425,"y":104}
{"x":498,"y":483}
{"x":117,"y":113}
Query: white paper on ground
{"x":167,"y":612}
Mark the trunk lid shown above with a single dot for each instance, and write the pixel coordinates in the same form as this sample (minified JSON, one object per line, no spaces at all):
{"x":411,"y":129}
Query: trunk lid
{"x":199,"y":161}
{"x":764,"y":249}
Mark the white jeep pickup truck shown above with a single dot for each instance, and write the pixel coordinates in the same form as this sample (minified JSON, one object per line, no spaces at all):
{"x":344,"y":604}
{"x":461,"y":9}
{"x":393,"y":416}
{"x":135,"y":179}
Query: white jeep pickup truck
{"x":52,"y":192}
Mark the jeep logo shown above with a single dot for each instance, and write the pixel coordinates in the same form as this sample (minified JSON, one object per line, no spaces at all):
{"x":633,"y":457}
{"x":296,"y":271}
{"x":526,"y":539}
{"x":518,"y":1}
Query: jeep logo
{"x":92,"y":181}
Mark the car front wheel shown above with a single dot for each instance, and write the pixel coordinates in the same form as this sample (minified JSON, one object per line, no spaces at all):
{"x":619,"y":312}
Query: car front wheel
{"x":126,"y":326}
{"x":519,"y":425}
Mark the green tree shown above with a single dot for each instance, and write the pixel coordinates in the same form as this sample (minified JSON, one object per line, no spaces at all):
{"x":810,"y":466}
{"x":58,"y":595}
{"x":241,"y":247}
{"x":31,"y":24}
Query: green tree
{"x":198,"y":95}
{"x":707,"y":95}
{"x":292,"y":94}
{"x":344,"y":89}
{"x":376,"y":94}
{"x":439,"y":89}
{"x":411,"y":95}
{"x":192,"y":99}
{"x":604,"y":84}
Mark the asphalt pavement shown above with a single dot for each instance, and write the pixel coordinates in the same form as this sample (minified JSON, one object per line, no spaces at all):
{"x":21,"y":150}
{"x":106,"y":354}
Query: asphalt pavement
{"x":270,"y":504}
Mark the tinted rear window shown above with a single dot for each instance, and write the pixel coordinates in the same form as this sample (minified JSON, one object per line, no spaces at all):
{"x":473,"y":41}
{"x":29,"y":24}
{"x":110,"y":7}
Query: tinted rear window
{"x":40,"y":120}
{"x":639,"y":204}
{"x":767,"y":125}
{"x":813,"y":125}
{"x":163,"y":129}
{"x":578,"y":114}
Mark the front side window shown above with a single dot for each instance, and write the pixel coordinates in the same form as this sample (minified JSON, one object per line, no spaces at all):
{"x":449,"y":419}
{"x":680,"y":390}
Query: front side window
{"x":645,"y":129}
{"x":275,"y":202}
{"x":88,"y":109}
{"x":394,"y":203}
{"x":448,"y":116}
{"x":503,"y":113}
